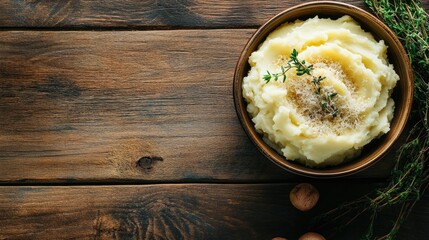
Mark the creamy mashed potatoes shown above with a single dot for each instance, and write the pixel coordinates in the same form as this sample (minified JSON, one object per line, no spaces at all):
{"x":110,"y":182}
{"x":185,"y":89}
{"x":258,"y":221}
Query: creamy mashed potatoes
{"x":290,"y":115}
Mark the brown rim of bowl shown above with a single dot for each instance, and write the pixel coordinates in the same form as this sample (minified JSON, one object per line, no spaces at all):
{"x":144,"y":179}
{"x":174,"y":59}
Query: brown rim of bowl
{"x":367,"y":21}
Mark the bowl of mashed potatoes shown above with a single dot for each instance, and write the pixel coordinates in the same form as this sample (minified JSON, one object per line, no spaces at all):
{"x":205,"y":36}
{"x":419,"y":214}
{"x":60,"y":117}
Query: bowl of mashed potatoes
{"x":323,"y":89}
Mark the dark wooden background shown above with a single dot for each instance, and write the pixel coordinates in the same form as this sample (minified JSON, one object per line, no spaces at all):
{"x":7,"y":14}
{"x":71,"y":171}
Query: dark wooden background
{"x":117,"y":122}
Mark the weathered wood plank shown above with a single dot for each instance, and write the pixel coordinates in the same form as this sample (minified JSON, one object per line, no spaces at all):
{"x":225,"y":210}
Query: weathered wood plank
{"x":150,"y":14}
{"x":142,"y":14}
{"x":106,"y":106}
{"x":172,"y":211}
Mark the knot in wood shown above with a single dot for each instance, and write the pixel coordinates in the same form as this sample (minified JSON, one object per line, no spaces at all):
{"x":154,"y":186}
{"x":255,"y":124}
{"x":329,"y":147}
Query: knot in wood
{"x":147,"y":162}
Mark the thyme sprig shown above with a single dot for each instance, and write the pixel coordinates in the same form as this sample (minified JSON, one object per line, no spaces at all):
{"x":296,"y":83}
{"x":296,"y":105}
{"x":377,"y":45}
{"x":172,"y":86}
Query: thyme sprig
{"x":410,"y":176}
{"x":293,"y":62}
{"x":325,"y":96}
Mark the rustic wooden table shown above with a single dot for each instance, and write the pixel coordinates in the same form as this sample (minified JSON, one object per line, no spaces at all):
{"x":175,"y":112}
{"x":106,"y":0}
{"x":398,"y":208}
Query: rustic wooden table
{"x":117,"y":121}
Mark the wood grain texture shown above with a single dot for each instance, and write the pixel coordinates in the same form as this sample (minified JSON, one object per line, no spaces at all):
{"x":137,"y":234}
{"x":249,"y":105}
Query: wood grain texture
{"x":180,"y":211}
{"x":127,"y":105}
{"x":151,"y":14}
{"x":173,"y":211}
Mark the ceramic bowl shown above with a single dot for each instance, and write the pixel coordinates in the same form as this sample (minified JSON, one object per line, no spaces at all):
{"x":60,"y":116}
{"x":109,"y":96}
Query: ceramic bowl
{"x":402,"y":94}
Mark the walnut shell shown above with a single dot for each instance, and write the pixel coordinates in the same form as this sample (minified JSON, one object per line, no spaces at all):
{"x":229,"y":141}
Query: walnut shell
{"x":311,"y":236}
{"x":304,"y":196}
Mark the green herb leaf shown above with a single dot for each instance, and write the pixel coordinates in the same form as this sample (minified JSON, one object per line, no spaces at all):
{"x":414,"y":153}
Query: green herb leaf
{"x":267,"y":77}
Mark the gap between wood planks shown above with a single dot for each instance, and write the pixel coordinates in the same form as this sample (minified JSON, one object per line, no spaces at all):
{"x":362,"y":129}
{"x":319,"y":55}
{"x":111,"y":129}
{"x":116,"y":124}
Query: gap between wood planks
{"x":132,"y":28}
{"x":124,"y":182}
